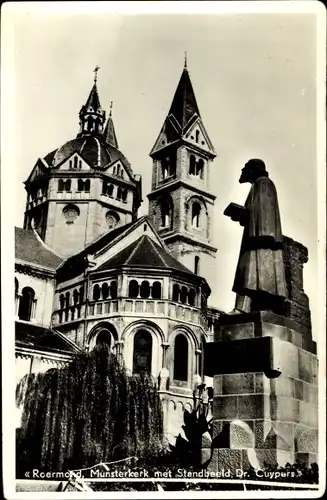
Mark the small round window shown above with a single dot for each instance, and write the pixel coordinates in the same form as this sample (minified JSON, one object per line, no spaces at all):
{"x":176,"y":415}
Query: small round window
{"x":112,"y":220}
{"x":71,"y":212}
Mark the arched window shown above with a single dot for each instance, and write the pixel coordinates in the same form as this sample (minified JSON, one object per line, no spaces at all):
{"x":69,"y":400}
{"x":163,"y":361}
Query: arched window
{"x":165,"y":213}
{"x":61,"y":186}
{"x":196,"y":264}
{"x":196,"y":210}
{"x":87,"y":185}
{"x":192,"y":165}
{"x":107,"y":188}
{"x":81,"y":294}
{"x":183,"y":295}
{"x":80,"y":185}
{"x":104,"y":337}
{"x":113,"y":289}
{"x":124,"y":195}
{"x":105,"y":291}
{"x":180,"y":357}
{"x":200,"y":168}
{"x":98,"y":125}
{"x":96,"y":292}
{"x":26,"y":303}
{"x":172,"y":164}
{"x":145,"y":290}
{"x":133,"y":289}
{"x":175,"y":293}
{"x":90,"y":123}
{"x":142,"y":354}
{"x":165,"y":168}
{"x":191,"y":297}
{"x":197,"y":135}
{"x":68,"y":185}
{"x":67,"y":299}
{"x":156,"y":290}
{"x":75,"y":297}
{"x":75,"y":161}
{"x":62,"y":301}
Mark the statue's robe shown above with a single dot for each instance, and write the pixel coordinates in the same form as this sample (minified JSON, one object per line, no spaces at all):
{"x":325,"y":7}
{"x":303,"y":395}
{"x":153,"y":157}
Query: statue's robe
{"x":261,"y":267}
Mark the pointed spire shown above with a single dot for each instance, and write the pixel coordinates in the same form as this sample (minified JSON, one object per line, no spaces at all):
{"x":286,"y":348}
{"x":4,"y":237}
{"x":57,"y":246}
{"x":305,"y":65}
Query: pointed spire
{"x":93,"y":100}
{"x":109,"y":133}
{"x":91,"y":115}
{"x":185,"y":59}
{"x":184,"y":104}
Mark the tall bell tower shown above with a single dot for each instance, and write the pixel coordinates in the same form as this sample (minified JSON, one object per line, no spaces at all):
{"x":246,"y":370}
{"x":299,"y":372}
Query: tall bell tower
{"x":181,"y":201}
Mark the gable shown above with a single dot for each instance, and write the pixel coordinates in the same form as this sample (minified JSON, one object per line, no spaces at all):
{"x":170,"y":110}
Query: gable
{"x":106,"y":253}
{"x":75,"y":162}
{"x":38,"y":171}
{"x":168,"y":134}
{"x":117,"y":169}
{"x":196,"y":134}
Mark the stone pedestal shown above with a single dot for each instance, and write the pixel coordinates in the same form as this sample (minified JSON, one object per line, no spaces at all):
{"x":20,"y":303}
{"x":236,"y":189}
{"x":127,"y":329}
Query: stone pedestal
{"x":265,"y":406}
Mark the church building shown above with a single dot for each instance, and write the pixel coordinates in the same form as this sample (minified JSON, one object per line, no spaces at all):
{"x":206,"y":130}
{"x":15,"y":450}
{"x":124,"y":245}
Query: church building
{"x":88,"y":270}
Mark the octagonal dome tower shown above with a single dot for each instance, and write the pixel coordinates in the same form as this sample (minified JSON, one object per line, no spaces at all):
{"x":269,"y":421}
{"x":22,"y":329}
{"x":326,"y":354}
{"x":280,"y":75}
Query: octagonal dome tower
{"x":83,"y":188}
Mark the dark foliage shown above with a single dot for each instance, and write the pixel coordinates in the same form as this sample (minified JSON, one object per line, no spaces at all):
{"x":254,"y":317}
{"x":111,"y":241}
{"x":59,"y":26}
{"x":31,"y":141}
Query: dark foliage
{"x":88,"y":412}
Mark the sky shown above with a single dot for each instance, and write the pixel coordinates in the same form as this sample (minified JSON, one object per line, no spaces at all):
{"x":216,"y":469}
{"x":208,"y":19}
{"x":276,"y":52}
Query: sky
{"x":254,"y":77}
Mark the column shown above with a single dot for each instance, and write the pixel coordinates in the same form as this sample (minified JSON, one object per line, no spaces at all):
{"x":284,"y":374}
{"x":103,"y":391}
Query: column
{"x":165,"y":346}
{"x":119,"y":345}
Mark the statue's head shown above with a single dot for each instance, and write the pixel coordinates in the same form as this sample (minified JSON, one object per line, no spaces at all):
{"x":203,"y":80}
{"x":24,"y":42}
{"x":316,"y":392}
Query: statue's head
{"x":253,"y":169}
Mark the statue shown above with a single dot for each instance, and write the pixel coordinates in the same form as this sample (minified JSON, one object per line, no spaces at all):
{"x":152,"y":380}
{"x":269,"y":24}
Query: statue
{"x":260,"y":283}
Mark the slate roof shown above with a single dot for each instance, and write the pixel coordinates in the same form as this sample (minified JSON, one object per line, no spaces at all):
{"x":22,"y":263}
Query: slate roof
{"x":109,"y":133}
{"x":30,"y":249}
{"x":76,"y":263}
{"x":41,"y":338}
{"x":93,"y":99}
{"x":89,"y":148}
{"x":184,"y":104}
{"x":144,"y":253}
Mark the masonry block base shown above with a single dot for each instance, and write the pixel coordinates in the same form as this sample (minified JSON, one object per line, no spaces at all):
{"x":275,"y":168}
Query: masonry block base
{"x":265,"y":395}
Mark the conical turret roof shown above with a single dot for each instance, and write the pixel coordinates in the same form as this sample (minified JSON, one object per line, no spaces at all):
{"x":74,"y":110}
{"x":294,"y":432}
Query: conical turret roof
{"x":184,"y":104}
{"x":109,"y":133}
{"x":93,"y":99}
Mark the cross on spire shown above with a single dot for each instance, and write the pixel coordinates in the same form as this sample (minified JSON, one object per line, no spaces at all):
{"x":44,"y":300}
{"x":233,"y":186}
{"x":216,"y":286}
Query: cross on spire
{"x":110,"y":112}
{"x":185,"y":59}
{"x":95,"y":71}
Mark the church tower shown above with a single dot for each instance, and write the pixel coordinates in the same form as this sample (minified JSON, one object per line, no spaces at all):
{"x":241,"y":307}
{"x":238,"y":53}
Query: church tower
{"x":181,"y":202}
{"x":84,"y":188}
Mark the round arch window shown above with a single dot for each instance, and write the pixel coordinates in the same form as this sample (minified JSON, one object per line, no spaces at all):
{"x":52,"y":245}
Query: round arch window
{"x":103,"y":338}
{"x":112,"y":219}
{"x":71,"y":212}
{"x":142,"y":352}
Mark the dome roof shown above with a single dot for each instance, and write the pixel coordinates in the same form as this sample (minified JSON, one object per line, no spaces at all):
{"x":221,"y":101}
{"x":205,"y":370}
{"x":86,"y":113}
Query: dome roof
{"x":93,"y":150}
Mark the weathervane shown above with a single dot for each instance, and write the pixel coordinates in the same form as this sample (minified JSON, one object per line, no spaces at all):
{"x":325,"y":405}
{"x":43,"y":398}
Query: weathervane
{"x":95,"y":71}
{"x":110,"y":112}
